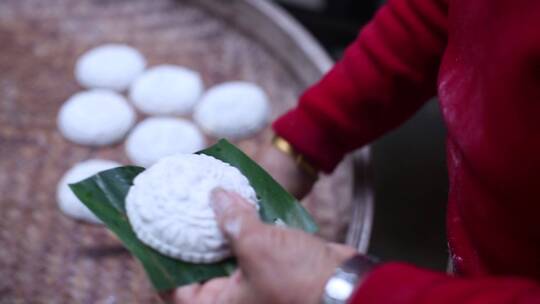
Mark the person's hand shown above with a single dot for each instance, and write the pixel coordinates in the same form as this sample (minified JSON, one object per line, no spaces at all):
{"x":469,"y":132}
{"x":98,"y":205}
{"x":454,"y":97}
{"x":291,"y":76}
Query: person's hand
{"x":286,"y":172}
{"x":276,"y":265}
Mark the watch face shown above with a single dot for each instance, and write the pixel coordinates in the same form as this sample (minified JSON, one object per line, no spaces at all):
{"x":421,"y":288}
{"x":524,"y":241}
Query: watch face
{"x":341,"y":285}
{"x":339,"y":289}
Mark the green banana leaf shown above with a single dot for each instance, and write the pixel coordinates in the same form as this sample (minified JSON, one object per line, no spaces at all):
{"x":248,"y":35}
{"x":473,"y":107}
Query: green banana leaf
{"x":105,"y":192}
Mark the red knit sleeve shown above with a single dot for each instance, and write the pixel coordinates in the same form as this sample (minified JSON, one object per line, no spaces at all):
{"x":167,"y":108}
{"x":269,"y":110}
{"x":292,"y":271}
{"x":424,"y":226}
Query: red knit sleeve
{"x":397,"y":283}
{"x":383,"y":78}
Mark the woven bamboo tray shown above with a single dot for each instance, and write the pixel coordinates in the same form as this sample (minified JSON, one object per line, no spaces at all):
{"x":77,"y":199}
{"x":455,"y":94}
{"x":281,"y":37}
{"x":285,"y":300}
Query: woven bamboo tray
{"x":48,"y":258}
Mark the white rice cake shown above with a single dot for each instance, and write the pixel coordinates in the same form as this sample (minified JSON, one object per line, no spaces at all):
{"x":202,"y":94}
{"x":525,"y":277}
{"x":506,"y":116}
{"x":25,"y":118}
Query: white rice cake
{"x":68,"y":203}
{"x":95,"y":117}
{"x":166,"y":90}
{"x":233,"y":110}
{"x":157,"y":137}
{"x":168,"y":206}
{"x":109,"y":66}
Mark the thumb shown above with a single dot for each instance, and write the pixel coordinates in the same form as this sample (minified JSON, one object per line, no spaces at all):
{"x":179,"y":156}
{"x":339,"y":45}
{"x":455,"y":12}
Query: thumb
{"x":236,"y":217}
{"x":248,"y":236}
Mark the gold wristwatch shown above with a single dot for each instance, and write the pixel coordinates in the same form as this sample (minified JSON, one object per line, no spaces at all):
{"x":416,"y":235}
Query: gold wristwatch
{"x":285,"y":147}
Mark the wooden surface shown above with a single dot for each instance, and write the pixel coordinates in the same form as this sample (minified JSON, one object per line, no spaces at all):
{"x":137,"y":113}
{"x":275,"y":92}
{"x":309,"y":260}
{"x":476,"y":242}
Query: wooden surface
{"x":46,"y":257}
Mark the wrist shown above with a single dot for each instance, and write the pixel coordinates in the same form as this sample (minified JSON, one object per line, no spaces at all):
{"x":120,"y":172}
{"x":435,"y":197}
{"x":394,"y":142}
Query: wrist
{"x":347,"y":278}
{"x":300,"y":160}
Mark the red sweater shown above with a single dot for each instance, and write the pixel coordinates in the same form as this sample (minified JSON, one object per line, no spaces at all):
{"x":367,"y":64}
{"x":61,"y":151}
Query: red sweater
{"x":482,"y":57}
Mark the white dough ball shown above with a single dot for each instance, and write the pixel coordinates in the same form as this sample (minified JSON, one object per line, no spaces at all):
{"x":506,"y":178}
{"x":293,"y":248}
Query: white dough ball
{"x":109,"y":66}
{"x":95,"y":118}
{"x":157,"y":137}
{"x":166,"y":90}
{"x":69,"y":204}
{"x":169,"y":209}
{"x":233,"y":110}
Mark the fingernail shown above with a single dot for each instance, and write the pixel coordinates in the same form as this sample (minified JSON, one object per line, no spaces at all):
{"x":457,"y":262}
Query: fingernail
{"x":233,"y":226}
{"x":220,"y":201}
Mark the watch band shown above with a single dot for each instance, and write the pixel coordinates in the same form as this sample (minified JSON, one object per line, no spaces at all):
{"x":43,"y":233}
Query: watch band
{"x":340,"y":287}
{"x":284,"y":146}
